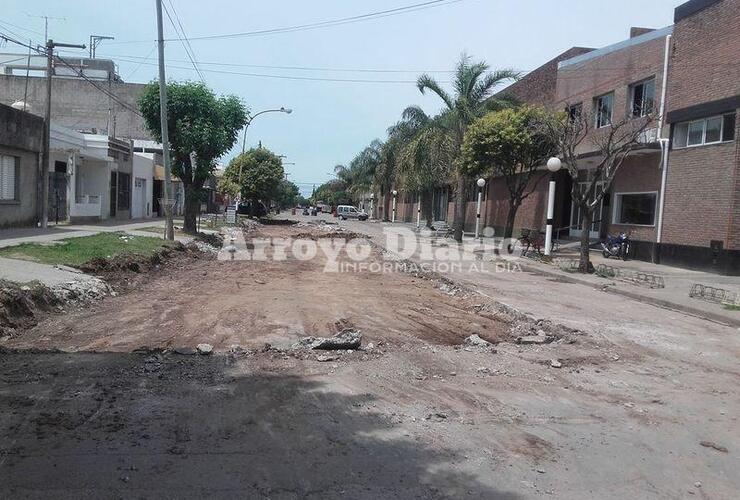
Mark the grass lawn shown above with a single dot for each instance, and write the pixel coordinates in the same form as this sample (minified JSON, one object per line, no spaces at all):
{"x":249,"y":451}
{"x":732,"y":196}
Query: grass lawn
{"x":77,"y":251}
{"x":732,"y":307}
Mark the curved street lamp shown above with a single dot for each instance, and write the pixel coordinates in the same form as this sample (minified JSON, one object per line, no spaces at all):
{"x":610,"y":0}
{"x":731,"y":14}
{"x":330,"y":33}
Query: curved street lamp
{"x":553,"y":165}
{"x":251,"y":118}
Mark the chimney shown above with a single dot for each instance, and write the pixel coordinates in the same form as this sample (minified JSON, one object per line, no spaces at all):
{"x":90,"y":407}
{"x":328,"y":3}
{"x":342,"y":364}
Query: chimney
{"x":637,"y":31}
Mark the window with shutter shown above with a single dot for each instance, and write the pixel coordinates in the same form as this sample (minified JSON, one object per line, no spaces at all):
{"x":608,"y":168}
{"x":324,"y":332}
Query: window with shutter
{"x":7,"y":177}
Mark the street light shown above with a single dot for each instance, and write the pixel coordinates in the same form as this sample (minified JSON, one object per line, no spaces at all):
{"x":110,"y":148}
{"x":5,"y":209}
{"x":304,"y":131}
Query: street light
{"x":393,"y":219}
{"x":251,"y":118}
{"x":372,"y":207}
{"x":553,"y":165}
{"x":418,"y":211}
{"x":481,"y":182}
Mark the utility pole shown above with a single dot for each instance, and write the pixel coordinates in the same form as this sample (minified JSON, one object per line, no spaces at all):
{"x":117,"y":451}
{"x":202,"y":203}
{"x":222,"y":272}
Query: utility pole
{"x":169,"y":231}
{"x":95,"y":41}
{"x":45,"y":157}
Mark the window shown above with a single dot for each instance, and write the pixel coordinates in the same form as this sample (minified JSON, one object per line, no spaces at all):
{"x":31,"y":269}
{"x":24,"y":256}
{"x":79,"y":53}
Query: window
{"x":643,"y":98}
{"x":8,"y":177}
{"x":710,"y":130}
{"x":604,"y":108}
{"x":124,"y":191}
{"x":635,"y":209}
{"x":575,"y":111}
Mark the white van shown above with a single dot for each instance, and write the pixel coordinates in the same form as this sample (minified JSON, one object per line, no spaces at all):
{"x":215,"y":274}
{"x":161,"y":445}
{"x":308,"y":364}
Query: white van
{"x":345,"y":212}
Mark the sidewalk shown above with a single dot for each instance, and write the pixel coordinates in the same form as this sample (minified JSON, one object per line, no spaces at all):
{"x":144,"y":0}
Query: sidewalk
{"x":675,"y":294}
{"x":11,"y":237}
{"x":23,"y":271}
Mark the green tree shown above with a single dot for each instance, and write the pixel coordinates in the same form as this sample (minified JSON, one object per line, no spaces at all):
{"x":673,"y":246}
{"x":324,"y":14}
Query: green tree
{"x":257,"y":174}
{"x":288,"y":194}
{"x":473,"y":96}
{"x":200,"y":123}
{"x":426,"y":157}
{"x":509,"y":144}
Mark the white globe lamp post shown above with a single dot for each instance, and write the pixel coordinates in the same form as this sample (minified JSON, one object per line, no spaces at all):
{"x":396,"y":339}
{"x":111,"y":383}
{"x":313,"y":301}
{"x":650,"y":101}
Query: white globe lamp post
{"x":553,"y":165}
{"x":395,"y":193}
{"x":481,"y":183}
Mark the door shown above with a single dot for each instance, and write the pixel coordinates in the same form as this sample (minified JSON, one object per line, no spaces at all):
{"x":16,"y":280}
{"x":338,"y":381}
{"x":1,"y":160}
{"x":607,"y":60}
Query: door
{"x":113,"y":193}
{"x":439,"y":204}
{"x":138,"y":203}
{"x":58,"y":192}
{"x":575,"y":214}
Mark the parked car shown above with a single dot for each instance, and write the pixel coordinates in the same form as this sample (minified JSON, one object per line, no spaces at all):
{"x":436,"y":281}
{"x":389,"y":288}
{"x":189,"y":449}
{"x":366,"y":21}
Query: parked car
{"x":257,"y":209}
{"x":345,"y":212}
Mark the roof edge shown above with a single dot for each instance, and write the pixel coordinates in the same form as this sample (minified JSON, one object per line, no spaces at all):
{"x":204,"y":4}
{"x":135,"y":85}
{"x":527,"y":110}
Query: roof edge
{"x":630,"y":42}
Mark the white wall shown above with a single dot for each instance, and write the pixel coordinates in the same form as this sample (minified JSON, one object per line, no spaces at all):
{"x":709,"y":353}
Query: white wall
{"x":143,"y":168}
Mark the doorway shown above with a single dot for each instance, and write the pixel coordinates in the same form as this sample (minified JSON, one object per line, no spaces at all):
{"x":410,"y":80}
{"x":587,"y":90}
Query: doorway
{"x":439,"y":203}
{"x":575,"y":214}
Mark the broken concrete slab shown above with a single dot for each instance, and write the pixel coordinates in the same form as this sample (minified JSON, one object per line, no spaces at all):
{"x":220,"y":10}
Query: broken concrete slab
{"x":204,"y":349}
{"x":349,"y":338}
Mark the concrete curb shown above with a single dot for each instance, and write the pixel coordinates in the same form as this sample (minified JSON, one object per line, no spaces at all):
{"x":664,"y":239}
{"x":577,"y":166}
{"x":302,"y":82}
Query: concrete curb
{"x":708,"y":315}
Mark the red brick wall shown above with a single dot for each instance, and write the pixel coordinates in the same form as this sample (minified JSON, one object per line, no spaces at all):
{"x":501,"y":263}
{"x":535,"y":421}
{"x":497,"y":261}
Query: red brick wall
{"x":700,"y":193}
{"x":704,"y":61}
{"x":637,"y":174}
{"x":538,"y":86}
{"x":703,"y":186}
{"x":611,"y":72}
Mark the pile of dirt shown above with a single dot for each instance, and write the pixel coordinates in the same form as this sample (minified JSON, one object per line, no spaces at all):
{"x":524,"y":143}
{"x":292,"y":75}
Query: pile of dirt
{"x":213,"y":239}
{"x":341,"y":235}
{"x":126,"y":270}
{"x":267,"y":221}
{"x":22,"y":306}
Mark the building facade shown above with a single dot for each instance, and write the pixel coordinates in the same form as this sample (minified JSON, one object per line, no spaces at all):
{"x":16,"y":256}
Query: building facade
{"x":21,"y":140}
{"x":702,"y":204}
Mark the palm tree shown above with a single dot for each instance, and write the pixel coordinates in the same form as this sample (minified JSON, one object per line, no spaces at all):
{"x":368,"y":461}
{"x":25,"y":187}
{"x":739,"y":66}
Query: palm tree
{"x":426,"y":157}
{"x":473,"y":96}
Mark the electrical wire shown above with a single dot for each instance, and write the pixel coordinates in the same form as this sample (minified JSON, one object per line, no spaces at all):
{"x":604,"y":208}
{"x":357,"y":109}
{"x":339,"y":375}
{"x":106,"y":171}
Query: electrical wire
{"x":317,"y":25}
{"x":78,"y":73}
{"x":183,"y":40}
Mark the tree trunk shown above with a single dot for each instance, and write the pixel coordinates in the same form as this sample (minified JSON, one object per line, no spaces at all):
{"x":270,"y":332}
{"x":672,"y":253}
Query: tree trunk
{"x":387,"y":206}
{"x":427,"y":209}
{"x":510,"y":217}
{"x":584,"y":266}
{"x":459,"y":219}
{"x":192,"y":207}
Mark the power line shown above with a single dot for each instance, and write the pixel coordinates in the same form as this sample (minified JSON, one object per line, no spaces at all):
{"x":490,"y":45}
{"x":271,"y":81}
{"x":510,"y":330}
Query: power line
{"x":294,"y":68}
{"x":320,"y":24}
{"x":183,"y":40}
{"x":79,"y":73}
{"x":282,"y":77}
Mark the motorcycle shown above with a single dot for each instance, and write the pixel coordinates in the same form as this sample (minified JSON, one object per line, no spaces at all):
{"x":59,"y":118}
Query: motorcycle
{"x":616,"y":246}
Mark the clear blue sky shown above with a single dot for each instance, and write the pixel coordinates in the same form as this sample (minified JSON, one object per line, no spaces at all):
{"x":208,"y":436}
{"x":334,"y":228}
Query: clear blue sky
{"x":334,"y":120}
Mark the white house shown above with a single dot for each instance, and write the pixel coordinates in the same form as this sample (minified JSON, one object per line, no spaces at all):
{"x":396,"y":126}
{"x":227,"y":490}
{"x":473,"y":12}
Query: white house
{"x":92,"y":178}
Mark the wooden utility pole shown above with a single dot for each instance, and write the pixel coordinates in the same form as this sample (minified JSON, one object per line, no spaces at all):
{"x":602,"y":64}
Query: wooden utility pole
{"x":169,"y":230}
{"x":45,"y":157}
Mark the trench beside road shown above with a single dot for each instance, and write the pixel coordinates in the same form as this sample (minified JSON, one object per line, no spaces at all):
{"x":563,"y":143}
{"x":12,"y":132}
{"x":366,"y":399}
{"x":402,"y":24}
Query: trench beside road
{"x":617,"y":406}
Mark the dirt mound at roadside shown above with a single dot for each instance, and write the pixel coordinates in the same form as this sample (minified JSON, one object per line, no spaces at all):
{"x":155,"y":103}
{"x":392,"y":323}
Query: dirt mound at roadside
{"x":20,"y":306}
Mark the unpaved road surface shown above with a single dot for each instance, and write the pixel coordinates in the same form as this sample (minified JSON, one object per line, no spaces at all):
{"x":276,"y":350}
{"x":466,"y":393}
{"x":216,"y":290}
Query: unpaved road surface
{"x":415,"y":417}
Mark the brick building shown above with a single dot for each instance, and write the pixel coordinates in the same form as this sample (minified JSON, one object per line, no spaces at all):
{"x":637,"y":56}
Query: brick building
{"x":701,"y":223}
{"x":678,"y":195}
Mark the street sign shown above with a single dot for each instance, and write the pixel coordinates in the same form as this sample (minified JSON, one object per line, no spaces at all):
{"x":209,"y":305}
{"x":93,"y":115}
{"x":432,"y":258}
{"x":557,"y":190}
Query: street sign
{"x":231,"y":215}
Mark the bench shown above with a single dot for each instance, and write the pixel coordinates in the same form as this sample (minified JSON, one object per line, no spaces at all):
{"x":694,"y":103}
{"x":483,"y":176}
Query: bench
{"x":441,"y":227}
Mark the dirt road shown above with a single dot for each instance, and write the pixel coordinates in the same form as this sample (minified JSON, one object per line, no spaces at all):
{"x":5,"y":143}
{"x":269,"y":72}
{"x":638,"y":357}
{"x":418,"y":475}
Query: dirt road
{"x":414,"y":417}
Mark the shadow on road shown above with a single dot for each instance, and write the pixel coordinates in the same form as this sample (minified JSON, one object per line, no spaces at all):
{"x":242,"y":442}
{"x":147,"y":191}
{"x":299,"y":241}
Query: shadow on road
{"x":104,"y":425}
